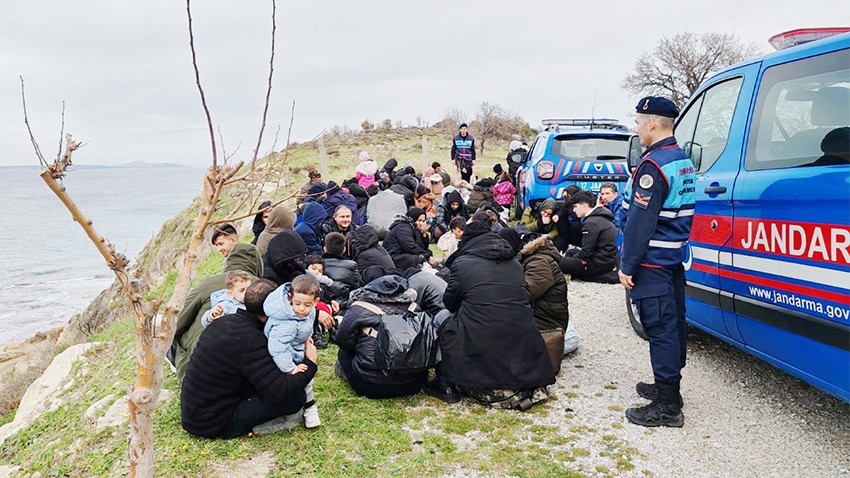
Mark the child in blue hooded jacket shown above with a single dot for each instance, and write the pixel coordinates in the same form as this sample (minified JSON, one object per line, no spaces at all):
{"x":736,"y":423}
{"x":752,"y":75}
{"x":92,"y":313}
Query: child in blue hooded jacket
{"x":291,"y":311}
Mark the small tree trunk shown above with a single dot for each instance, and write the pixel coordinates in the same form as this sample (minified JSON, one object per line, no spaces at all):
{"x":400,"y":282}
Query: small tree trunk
{"x":424,"y":155}
{"x":323,"y":158}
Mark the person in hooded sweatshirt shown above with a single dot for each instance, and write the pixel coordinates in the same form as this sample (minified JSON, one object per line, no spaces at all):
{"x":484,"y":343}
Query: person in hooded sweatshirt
{"x":284,"y":260}
{"x":280,"y":219}
{"x":489,"y":343}
{"x":260,"y":220}
{"x":538,"y":218}
{"x":365,"y":171}
{"x":450,"y":207}
{"x":366,"y":251}
{"x":407,"y":240}
{"x":596,"y":260}
{"x":309,"y":227}
{"x":382,"y":294}
{"x":188,"y":328}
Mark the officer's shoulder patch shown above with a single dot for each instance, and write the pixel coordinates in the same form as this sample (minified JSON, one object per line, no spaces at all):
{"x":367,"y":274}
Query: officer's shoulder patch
{"x":646,"y":181}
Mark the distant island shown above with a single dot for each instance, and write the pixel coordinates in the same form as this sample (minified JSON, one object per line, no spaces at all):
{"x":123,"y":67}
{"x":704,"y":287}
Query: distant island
{"x":131,"y":165}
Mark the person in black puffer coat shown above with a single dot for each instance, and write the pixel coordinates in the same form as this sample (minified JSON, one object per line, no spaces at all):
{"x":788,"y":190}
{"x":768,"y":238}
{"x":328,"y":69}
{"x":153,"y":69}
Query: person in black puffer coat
{"x":407,"y":242}
{"x":356,"y":355}
{"x":284,"y":260}
{"x":446,"y":212}
{"x":341,"y":270}
{"x":366,"y":251}
{"x":232,"y":383}
{"x":490,"y":341}
{"x":597,"y":259}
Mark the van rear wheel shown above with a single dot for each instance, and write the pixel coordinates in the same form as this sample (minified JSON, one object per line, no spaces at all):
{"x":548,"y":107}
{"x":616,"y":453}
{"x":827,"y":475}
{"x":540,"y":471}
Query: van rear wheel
{"x":634,"y":317}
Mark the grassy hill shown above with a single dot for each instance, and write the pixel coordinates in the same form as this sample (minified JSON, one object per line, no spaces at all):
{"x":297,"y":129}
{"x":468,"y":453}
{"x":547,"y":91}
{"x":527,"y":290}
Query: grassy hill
{"x":414,"y":436}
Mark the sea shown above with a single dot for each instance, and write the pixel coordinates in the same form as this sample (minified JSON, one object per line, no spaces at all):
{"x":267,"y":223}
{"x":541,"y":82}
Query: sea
{"x":49,"y":269}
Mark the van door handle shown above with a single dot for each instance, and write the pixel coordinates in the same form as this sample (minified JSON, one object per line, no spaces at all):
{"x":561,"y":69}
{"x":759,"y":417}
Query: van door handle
{"x":714,"y":189}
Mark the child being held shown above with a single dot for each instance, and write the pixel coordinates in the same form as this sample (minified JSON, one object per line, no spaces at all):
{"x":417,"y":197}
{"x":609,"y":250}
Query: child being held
{"x":504,"y":191}
{"x":448,"y":242}
{"x":291,"y":311}
{"x":228,"y":300}
{"x":364,"y":172}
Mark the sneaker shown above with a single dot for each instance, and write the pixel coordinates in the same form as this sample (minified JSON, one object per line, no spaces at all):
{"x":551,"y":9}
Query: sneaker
{"x":319,"y":341}
{"x":311,"y":417}
{"x":285,"y":422}
{"x":439,"y":389}
{"x":656,"y":414}
{"x":649,"y":392}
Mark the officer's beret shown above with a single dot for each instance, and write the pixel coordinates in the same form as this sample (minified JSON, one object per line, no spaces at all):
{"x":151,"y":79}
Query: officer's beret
{"x":657,"y":105}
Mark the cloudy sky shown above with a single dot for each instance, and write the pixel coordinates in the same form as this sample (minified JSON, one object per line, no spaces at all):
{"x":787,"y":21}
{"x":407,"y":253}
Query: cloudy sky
{"x":124,"y":68}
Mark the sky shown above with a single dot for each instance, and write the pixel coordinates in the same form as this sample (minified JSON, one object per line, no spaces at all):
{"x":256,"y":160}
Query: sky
{"x":124,"y":68}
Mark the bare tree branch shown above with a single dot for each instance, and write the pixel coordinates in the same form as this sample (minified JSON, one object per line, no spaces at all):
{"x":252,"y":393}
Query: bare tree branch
{"x":200,"y":89}
{"x":29,"y":130}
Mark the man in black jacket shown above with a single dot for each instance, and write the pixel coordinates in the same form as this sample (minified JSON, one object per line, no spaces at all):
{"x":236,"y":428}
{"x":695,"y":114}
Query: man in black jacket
{"x":596,"y":259}
{"x":232,"y":384}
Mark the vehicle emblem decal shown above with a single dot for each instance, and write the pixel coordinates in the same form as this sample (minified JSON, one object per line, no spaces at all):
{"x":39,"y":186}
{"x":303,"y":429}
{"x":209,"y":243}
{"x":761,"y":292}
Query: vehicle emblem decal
{"x":598,"y":166}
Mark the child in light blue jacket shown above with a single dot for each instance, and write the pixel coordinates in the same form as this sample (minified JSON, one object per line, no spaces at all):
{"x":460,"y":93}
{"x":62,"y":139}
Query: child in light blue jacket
{"x":291,"y":311}
{"x":228,"y":300}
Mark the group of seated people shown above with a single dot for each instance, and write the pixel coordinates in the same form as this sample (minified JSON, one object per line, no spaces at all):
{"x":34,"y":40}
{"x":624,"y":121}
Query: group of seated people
{"x":246,"y":339}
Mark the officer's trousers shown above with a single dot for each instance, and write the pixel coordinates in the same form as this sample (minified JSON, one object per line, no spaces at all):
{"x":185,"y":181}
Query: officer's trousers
{"x":659,"y":294}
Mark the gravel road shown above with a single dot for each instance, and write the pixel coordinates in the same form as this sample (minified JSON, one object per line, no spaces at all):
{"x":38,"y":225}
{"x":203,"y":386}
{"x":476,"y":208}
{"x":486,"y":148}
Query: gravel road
{"x":743,"y":417}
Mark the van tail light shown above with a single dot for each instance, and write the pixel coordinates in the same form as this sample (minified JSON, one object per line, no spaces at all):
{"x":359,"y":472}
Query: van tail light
{"x":545,"y":170}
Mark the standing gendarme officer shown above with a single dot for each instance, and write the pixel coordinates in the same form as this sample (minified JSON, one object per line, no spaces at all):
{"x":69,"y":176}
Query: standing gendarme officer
{"x":658,"y":208}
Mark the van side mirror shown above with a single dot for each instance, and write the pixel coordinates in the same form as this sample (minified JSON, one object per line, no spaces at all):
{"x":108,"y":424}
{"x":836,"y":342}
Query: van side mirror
{"x":694,"y":151}
{"x":635,"y":150}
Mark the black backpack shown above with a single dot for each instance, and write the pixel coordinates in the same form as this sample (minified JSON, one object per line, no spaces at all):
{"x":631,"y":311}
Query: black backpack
{"x":406,"y":343}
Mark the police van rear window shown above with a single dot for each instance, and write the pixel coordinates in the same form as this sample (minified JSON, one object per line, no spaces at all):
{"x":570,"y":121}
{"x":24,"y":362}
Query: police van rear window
{"x":802,"y":115}
{"x":591,"y":148}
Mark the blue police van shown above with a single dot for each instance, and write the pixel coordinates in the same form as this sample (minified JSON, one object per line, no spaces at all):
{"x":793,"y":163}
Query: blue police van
{"x":768,"y":263}
{"x":584,"y":152}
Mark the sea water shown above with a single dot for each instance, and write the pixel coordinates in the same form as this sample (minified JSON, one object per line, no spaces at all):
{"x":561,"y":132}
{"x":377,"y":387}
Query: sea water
{"x":49,"y":269}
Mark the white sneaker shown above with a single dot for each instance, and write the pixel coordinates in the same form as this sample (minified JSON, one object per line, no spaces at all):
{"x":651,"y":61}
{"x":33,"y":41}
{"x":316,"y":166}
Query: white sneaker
{"x":311,"y":417}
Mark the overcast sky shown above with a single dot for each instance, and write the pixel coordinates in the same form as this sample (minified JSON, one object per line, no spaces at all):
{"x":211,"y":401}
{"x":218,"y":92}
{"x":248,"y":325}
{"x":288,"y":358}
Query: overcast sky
{"x":124,"y":68}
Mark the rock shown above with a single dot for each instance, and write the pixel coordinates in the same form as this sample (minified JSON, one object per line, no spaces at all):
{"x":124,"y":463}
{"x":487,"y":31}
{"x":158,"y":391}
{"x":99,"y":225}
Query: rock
{"x":119,"y":413}
{"x":8,"y":471}
{"x":94,"y":410}
{"x":42,"y":395}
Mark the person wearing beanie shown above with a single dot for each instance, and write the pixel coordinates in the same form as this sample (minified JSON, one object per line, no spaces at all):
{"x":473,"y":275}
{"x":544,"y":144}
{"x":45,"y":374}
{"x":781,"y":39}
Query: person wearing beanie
{"x":336,"y":197}
{"x":284,"y":259}
{"x":407,"y":240}
{"x":423,"y":198}
{"x":365,"y":171}
{"x":463,"y":152}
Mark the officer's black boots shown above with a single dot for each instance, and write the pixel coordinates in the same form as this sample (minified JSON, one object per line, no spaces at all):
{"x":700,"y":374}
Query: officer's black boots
{"x":648,"y":391}
{"x":663,"y":411}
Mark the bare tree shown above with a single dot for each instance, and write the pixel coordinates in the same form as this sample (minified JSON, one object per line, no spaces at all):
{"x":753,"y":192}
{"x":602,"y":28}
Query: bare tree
{"x":153,"y":336}
{"x":679,"y":64}
{"x":495,"y":122}
{"x":452,"y":118}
